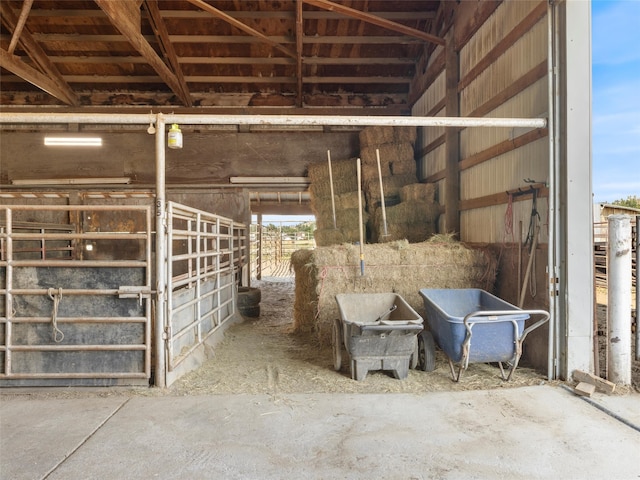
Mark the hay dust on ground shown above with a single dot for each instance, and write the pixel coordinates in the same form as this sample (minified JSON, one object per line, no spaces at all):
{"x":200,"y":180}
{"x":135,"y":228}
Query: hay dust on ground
{"x":601,"y":316}
{"x":264,"y":356}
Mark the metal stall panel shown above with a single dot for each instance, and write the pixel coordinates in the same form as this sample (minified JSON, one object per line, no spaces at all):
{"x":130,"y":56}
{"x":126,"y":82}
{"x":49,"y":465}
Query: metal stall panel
{"x":76,"y":296}
{"x":205,"y":254}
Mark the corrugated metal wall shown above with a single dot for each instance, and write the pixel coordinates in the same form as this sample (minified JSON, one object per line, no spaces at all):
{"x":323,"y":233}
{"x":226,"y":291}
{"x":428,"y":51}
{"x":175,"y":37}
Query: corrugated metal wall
{"x":495,"y":160}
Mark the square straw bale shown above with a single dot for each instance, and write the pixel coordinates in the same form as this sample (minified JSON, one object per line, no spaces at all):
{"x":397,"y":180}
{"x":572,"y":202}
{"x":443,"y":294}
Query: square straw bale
{"x":399,"y":266}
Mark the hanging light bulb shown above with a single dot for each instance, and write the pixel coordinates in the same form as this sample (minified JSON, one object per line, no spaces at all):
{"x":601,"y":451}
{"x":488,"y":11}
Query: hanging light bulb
{"x":174,"y":139}
{"x":152,"y":129}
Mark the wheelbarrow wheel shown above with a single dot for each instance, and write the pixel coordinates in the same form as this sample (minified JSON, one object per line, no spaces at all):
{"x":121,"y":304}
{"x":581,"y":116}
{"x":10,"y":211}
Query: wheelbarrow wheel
{"x":426,"y":351}
{"x":415,"y":356}
{"x":336,"y":341}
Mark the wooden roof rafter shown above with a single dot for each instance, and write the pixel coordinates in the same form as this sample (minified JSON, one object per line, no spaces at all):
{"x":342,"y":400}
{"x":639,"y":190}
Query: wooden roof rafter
{"x":160,"y":31}
{"x":240,"y":26}
{"x":122,"y":15}
{"x":49,"y":78}
{"x":24,"y":13}
{"x":299,"y":46}
{"x":381,"y":22}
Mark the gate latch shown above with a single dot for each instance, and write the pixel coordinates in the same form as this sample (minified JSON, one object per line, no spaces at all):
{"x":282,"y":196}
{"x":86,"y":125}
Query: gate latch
{"x":133,"y":291}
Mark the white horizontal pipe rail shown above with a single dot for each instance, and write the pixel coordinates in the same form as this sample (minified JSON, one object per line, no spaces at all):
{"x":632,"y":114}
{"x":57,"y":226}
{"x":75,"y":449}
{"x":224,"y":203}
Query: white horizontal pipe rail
{"x":337,"y":120}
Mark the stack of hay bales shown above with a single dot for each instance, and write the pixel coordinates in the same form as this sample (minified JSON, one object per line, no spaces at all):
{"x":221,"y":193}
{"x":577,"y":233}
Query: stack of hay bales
{"x":399,"y":267}
{"x":397,"y":162}
{"x":345,"y":189}
{"x":411,"y":211}
{"x":413,"y":219}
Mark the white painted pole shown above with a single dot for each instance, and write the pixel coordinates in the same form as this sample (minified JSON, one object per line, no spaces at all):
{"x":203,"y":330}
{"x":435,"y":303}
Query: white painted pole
{"x":382,"y":202}
{"x":619,"y":299}
{"x":319,"y":120}
{"x":333,"y":199}
{"x":360,"y":226}
{"x":161,"y":248}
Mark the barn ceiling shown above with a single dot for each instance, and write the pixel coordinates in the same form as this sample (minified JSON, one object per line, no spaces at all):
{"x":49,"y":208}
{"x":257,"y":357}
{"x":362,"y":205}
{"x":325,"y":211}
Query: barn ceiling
{"x":207,"y":55}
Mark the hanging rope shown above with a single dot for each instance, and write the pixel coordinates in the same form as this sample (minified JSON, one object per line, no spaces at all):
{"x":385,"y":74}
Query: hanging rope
{"x":534,"y":219}
{"x":508,"y":220}
{"x":533,"y":289}
{"x":58,"y":336}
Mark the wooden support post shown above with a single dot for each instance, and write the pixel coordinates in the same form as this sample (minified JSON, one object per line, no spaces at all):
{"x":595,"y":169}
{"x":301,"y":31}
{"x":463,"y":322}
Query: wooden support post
{"x":452,"y":136}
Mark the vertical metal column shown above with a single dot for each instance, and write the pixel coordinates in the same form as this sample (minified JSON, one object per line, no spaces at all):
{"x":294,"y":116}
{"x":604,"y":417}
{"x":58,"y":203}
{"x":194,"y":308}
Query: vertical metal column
{"x":161,"y":295}
{"x":619,"y":299}
{"x":552,"y":125}
{"x":8,"y":285}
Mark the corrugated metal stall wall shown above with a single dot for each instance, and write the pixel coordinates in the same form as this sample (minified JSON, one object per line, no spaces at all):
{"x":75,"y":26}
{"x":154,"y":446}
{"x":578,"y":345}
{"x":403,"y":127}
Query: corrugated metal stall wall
{"x":502,"y":74}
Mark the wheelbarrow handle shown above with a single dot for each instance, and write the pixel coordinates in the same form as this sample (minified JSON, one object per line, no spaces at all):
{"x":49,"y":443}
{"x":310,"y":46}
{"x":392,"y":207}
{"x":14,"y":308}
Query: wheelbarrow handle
{"x":382,"y":328}
{"x":530,"y":328}
{"x":493,"y":314}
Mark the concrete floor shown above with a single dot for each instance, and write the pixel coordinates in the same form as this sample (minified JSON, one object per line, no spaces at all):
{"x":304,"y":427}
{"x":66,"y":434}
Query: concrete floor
{"x":541,"y":432}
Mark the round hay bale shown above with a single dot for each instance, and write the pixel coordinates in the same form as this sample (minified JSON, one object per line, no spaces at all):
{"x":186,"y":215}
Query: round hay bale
{"x":422,"y":192}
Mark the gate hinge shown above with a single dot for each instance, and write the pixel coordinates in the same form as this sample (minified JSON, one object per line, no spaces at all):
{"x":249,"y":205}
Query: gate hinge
{"x":553,"y":286}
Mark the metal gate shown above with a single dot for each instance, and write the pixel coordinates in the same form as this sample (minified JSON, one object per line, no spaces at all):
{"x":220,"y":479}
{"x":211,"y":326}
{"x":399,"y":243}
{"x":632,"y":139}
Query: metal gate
{"x":75,"y":297}
{"x":206,"y":254}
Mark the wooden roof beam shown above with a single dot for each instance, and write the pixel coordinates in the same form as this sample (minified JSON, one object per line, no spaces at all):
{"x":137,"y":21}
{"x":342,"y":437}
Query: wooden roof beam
{"x":24,"y":13}
{"x":299,"y":35}
{"x":122,"y":15}
{"x":381,"y":22}
{"x":162,"y":34}
{"x":50,"y":80}
{"x":16,"y":66}
{"x":239,"y":25}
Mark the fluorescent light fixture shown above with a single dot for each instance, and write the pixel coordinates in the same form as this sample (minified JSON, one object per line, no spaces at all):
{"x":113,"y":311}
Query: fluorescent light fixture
{"x":73,"y":141}
{"x":270,"y":180}
{"x":73,"y":181}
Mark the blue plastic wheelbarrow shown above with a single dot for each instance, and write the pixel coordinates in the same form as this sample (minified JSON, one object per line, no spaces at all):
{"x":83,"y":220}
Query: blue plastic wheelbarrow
{"x":473,"y":326}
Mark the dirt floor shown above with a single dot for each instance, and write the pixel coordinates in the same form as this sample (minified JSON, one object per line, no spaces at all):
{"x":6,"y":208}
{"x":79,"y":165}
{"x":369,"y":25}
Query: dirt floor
{"x":262,"y":356}
{"x":601,"y":313}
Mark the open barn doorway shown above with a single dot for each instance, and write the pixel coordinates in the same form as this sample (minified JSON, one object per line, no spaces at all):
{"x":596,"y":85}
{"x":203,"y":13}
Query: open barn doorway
{"x":274,"y":238}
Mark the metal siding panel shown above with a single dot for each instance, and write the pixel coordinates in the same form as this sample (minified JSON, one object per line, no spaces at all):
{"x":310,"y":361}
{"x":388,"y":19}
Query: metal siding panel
{"x":487,"y":224}
{"x":506,"y":171}
{"x":527,"y":52}
{"x":433,"y":161}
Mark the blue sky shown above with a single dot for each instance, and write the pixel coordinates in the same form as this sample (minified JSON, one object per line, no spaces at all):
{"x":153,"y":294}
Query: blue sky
{"x":616,"y":99}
